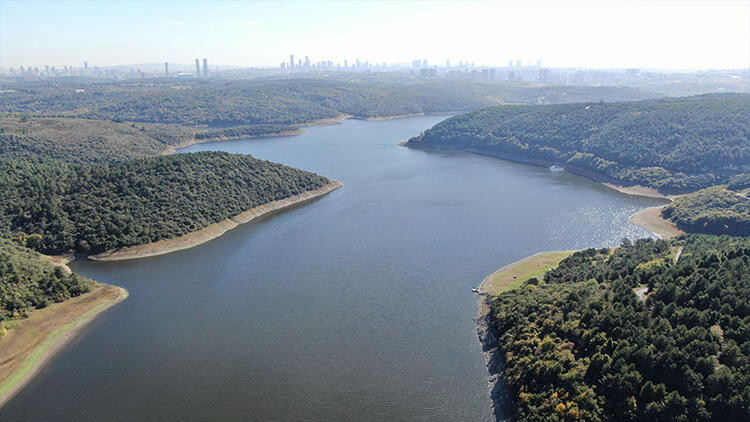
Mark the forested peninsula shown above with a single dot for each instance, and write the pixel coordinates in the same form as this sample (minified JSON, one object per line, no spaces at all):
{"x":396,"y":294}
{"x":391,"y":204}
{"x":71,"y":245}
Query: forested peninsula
{"x":60,"y":208}
{"x":653,"y":330}
{"x":672,"y":145}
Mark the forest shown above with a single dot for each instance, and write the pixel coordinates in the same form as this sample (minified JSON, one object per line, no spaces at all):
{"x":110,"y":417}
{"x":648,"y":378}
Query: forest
{"x":673,"y":145}
{"x":86,"y":208}
{"x":86,"y":140}
{"x":28,"y":282}
{"x":580,"y":344}
{"x":714,"y":210}
{"x":281,"y":102}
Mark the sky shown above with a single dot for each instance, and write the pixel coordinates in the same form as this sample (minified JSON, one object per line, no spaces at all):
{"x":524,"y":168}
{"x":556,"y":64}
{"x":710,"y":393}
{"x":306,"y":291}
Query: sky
{"x":592,"y":34}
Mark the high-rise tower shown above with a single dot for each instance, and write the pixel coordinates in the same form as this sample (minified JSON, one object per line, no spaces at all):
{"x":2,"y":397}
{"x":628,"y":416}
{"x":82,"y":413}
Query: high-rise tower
{"x":197,"y":68}
{"x":291,"y":61}
{"x":166,"y":69}
{"x":205,"y":67}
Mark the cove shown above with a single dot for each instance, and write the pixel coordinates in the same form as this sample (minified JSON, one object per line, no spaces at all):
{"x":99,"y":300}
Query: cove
{"x":356,"y":306}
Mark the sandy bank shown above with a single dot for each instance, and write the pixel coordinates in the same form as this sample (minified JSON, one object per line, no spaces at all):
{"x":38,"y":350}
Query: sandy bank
{"x":213,"y":231}
{"x":637,"y":190}
{"x":651,"y":220}
{"x":395,"y":116}
{"x":30,"y":343}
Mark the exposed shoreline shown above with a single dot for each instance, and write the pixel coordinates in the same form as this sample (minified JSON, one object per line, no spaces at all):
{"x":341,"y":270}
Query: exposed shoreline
{"x":503,"y":279}
{"x":213,"y":231}
{"x":31,"y":343}
{"x":651,"y":220}
{"x":634,"y":190}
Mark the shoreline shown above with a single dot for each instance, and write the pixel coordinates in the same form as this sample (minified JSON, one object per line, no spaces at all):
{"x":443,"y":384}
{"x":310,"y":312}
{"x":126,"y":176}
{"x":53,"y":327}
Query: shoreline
{"x":213,"y":231}
{"x":505,"y":278}
{"x":650,"y":219}
{"x":32,"y":342}
{"x":634,"y":190}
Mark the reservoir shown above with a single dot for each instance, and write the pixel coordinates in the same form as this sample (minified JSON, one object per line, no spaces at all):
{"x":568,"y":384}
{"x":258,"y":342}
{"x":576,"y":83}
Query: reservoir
{"x":354,"y":307}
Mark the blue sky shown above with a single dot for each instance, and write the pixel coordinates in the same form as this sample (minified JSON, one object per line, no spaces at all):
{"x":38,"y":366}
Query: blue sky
{"x":665,"y":34}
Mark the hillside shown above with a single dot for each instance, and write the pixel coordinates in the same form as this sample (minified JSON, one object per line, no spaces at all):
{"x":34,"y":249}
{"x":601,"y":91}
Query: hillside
{"x":86,"y":140}
{"x":580,"y":344}
{"x":672,"y":145}
{"x":90,"y":208}
{"x":281,"y":102}
{"x":714,"y":210}
{"x":28,"y":282}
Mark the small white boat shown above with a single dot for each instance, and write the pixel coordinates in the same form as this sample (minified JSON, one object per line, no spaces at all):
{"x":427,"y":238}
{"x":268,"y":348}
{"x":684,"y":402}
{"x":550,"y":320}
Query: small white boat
{"x":475,"y":290}
{"x":556,"y":168}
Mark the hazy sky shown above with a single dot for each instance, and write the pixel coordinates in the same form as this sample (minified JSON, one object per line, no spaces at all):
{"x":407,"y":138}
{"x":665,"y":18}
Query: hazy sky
{"x":666,"y":34}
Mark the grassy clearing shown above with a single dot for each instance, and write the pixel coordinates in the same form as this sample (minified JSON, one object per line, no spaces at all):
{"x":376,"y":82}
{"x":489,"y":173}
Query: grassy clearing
{"x":512,"y":276}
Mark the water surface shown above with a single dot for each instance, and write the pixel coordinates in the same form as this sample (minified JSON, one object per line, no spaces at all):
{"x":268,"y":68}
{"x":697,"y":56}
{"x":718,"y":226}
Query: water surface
{"x":355,"y":307}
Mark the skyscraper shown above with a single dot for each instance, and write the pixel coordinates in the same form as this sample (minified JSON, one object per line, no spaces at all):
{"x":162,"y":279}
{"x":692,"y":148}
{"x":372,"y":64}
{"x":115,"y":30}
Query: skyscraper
{"x":166,"y":69}
{"x":197,"y":68}
{"x":424,"y":63}
{"x":307,"y":61}
{"x":291,"y":61}
{"x":85,"y":65}
{"x":205,"y":67}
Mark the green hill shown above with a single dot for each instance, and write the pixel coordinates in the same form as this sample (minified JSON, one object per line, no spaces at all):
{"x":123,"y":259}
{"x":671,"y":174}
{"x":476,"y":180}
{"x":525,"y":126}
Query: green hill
{"x":93,"y":207}
{"x":28,"y":282}
{"x":581,"y":345}
{"x":714,"y":210}
{"x":672,"y":145}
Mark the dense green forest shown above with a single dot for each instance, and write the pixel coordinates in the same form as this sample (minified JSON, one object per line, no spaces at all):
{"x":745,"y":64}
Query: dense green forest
{"x":581,"y":345}
{"x":28,"y":282}
{"x":93,"y":207}
{"x":673,"y":145}
{"x":714,"y":210}
{"x":285,"y":102}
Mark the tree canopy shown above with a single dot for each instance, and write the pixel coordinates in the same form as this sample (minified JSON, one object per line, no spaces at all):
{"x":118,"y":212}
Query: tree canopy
{"x":94,"y":207}
{"x":582,"y":345}
{"x":673,"y":145}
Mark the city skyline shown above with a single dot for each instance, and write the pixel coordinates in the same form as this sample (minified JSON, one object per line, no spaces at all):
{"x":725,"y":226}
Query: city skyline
{"x":699,"y":35}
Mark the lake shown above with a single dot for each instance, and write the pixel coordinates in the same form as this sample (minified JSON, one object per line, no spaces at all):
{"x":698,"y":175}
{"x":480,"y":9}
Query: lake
{"x":355,"y":307}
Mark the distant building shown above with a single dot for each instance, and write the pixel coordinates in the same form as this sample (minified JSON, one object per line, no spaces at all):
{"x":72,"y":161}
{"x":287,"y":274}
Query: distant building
{"x":291,"y":61}
{"x":205,"y":67}
{"x":544,"y":76}
{"x":510,"y":63}
{"x":447,"y":62}
{"x":85,"y":65}
{"x":197,"y":68}
{"x":424,"y":63}
{"x":166,"y":69}
{"x":519,"y":63}
{"x":427,"y":72}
